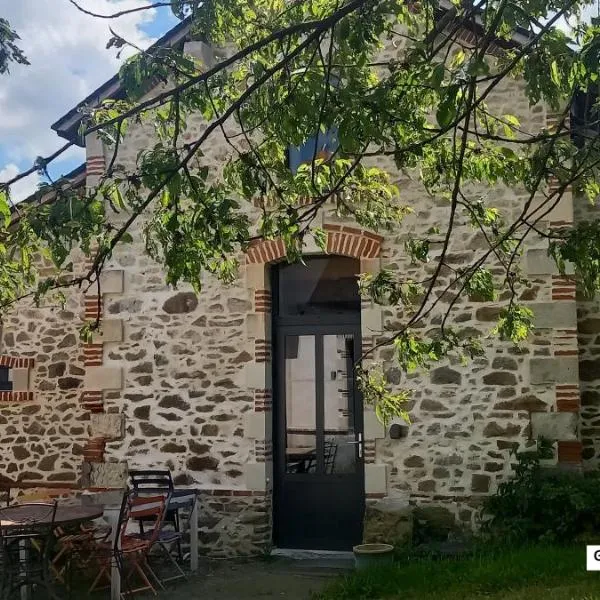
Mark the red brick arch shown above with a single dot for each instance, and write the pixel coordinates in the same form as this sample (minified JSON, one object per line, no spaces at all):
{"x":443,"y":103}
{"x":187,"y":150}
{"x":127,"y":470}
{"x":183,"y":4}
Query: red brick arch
{"x":341,"y":240}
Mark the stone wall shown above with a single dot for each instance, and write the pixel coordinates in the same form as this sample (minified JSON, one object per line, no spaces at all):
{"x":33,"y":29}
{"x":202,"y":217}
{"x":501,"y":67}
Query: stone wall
{"x":588,"y":334}
{"x":184,"y":381}
{"x":43,"y":429}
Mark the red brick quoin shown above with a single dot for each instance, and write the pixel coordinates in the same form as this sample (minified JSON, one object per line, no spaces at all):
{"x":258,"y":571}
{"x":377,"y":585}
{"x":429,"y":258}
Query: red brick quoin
{"x":16,"y":362}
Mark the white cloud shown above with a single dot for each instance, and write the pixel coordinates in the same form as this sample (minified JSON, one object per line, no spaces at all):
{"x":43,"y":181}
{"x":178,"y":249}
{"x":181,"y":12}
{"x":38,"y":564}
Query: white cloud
{"x":68,"y":56}
{"x":24,"y":187}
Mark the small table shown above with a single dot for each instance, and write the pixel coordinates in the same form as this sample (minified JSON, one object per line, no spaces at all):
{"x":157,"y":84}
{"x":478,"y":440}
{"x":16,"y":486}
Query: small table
{"x":65,"y":516}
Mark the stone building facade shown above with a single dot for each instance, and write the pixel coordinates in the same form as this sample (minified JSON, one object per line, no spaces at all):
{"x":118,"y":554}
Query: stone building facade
{"x":186,"y":382}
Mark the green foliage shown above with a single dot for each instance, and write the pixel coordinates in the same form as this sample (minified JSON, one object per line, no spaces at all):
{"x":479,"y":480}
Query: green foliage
{"x":9,"y":51}
{"x":388,"y":405}
{"x":515,"y":323}
{"x":580,"y":248}
{"x":532,"y":572}
{"x":541,"y":503}
{"x":297,"y":70}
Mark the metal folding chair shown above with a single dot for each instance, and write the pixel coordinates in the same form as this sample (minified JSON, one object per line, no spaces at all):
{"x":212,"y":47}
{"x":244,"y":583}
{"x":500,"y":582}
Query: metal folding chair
{"x":157,"y":481}
{"x":20,"y":529}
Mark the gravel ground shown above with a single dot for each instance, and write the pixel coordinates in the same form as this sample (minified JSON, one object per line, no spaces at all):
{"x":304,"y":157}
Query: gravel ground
{"x":251,"y":580}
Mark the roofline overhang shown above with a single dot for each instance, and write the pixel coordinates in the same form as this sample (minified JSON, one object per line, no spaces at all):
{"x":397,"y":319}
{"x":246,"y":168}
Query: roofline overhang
{"x":74,"y":179}
{"x":68,"y":125}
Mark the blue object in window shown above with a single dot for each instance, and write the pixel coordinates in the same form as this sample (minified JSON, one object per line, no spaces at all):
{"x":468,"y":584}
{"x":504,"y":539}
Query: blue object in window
{"x":5,"y":384}
{"x":327,"y":143}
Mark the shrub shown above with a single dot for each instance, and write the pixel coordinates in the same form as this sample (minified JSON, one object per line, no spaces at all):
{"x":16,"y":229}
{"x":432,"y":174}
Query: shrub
{"x":543,"y":504}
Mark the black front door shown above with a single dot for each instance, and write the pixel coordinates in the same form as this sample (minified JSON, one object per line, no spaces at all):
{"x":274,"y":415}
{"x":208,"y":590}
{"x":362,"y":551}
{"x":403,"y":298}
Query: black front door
{"x":319,"y":472}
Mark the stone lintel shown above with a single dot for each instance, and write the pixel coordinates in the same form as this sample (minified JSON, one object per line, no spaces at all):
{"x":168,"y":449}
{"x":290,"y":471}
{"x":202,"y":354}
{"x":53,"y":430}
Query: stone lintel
{"x":103,"y":378}
{"x":375,"y":479}
{"x":255,"y":425}
{"x":258,"y":375}
{"x":257,"y":475}
{"x":373,"y":427}
{"x":554,"y":315}
{"x":111,"y":330}
{"x":371,"y":320}
{"x":564,"y":369}
{"x":20,"y":379}
{"x":370,"y":265}
{"x":110,"y":426}
{"x":258,"y":326}
{"x":256,"y":277}
{"x":554,"y":425}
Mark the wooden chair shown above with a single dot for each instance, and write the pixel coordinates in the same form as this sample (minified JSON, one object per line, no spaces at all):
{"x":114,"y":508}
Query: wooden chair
{"x":131,"y":551}
{"x":158,"y":481}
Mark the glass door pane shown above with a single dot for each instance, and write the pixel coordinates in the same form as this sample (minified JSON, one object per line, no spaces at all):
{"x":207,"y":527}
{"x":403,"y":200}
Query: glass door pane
{"x":339,"y":447}
{"x":301,"y":403}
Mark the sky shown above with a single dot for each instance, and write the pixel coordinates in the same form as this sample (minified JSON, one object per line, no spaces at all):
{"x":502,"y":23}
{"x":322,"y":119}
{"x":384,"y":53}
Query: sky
{"x":69,"y":60}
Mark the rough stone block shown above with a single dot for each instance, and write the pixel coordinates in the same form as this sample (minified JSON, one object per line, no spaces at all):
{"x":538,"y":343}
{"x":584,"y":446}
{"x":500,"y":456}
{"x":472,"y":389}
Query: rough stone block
{"x":108,"y":475}
{"x":554,"y":370}
{"x":373,"y":427}
{"x":257,"y":475}
{"x":20,"y":379}
{"x":111,"y":330}
{"x":255,"y":426}
{"x":103,"y":378}
{"x":372,"y":320}
{"x":375,"y":479}
{"x":554,"y":315}
{"x":107,"y":425}
{"x":554,"y":425}
{"x":388,"y":521}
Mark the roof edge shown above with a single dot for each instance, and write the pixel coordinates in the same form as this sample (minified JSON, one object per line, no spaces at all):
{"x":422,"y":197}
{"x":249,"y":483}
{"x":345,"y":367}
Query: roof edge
{"x":68,"y":125}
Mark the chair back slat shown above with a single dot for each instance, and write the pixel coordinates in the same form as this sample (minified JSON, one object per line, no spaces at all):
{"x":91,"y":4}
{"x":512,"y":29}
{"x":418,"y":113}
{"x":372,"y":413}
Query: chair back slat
{"x":151,"y":480}
{"x":182,"y":499}
{"x":149,"y":508}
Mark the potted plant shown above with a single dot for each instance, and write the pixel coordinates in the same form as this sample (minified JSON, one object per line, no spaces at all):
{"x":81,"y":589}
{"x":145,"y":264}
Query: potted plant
{"x":373,"y":555}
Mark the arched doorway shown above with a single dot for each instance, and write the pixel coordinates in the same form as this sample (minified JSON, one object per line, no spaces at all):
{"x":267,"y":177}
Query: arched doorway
{"x":318,"y":416}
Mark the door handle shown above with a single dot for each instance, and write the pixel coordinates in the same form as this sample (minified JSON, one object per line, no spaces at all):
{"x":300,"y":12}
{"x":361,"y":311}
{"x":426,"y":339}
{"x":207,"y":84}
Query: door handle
{"x":358,"y":442}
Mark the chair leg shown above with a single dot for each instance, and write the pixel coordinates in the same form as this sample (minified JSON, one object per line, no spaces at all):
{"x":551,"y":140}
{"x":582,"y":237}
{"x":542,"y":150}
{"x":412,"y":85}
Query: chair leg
{"x":182,"y":574}
{"x":137,"y":567}
{"x":150,"y":570}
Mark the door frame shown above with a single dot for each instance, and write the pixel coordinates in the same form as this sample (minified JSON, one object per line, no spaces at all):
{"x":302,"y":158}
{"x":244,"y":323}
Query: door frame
{"x":313,"y":324}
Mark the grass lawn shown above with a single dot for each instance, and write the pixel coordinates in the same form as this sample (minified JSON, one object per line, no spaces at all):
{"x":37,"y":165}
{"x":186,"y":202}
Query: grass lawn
{"x":534,"y":573}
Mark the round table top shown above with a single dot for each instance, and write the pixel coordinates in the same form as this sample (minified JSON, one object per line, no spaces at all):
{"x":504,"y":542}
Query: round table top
{"x":65,"y":515}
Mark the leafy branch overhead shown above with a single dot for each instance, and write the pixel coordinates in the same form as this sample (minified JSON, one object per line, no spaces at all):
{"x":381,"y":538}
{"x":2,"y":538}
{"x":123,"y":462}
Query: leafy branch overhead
{"x":382,"y":97}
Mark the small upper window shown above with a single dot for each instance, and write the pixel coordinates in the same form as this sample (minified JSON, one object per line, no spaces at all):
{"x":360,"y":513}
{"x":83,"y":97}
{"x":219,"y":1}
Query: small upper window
{"x":5,"y":384}
{"x":326,"y":144}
